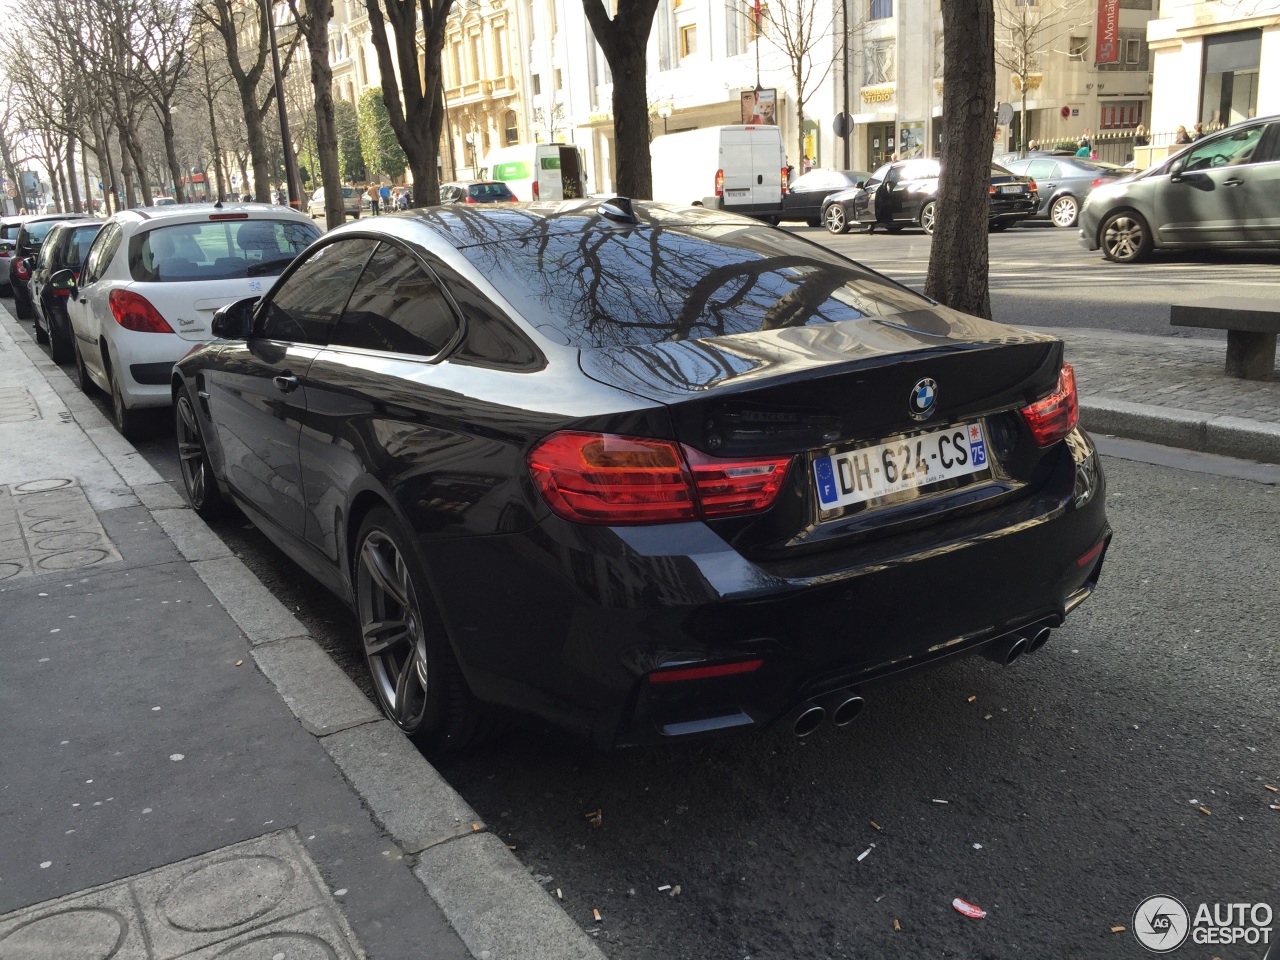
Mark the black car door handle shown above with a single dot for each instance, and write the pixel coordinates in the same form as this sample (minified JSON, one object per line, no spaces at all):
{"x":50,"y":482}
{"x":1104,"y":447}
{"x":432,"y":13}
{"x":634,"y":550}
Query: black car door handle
{"x":286,"y":384}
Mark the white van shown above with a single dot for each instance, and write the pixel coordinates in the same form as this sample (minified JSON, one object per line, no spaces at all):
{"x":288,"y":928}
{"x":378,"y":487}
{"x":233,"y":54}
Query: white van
{"x":742,"y":169}
{"x":538,"y":171}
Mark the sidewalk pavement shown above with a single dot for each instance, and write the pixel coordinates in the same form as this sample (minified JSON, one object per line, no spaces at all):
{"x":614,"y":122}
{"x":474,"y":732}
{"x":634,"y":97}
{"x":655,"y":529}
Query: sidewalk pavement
{"x":1172,"y":391}
{"x":183,"y":772}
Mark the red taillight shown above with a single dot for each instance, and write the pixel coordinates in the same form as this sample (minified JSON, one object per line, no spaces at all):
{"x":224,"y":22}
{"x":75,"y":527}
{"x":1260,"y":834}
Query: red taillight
{"x":610,"y":479}
{"x":1056,"y":415}
{"x":228,"y":216}
{"x":1090,"y":555}
{"x":1032,"y":186}
{"x":135,"y":312}
{"x":20,"y":268}
{"x":535,"y":189}
{"x":784,"y":181}
{"x":469,"y":199}
{"x":1100,"y":180}
{"x":719,"y":183}
{"x":705,"y":673}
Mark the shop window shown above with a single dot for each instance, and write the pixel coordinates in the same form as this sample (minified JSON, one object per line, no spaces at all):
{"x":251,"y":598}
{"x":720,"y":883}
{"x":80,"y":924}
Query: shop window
{"x":1078,"y":48}
{"x":688,"y":40}
{"x":880,"y":10}
{"x":1229,"y":88}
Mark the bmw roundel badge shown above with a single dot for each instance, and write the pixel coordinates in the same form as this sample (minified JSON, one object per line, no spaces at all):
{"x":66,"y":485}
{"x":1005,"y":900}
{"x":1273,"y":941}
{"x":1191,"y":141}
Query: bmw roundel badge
{"x":923,"y":400}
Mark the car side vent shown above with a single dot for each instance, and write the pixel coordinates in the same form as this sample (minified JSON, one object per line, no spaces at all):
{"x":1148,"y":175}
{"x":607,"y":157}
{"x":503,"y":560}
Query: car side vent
{"x":618,"y":209}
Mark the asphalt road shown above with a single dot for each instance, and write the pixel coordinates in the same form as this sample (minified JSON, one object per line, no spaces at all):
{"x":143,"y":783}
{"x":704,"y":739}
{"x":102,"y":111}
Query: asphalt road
{"x":1079,"y":771}
{"x":1041,"y":276}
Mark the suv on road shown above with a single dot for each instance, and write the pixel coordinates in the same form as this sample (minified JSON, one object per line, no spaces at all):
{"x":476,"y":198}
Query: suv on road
{"x":351,"y":198}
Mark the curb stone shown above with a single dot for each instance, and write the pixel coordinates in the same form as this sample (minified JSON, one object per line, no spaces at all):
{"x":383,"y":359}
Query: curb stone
{"x":1172,"y":427}
{"x":403,"y":792}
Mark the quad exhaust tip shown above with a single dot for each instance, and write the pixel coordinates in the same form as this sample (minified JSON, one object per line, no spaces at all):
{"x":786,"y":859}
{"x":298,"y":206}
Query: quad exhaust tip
{"x":845,"y":713}
{"x":809,"y":720}
{"x":1039,"y":637}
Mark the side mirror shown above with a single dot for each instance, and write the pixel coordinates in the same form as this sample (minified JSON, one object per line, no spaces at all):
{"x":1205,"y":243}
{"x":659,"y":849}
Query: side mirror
{"x":235,"y":320}
{"x":6,"y":248}
{"x":860,"y":183}
{"x":1176,"y":168}
{"x":63,"y":280}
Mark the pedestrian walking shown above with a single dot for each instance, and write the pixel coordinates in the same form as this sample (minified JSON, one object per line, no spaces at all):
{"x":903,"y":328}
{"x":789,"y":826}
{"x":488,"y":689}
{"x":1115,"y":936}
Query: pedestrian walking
{"x":384,"y":194}
{"x":1082,"y":149}
{"x":1198,"y":132}
{"x":808,"y":164}
{"x":1182,"y":135}
{"x":1140,"y":138}
{"x":372,"y":195}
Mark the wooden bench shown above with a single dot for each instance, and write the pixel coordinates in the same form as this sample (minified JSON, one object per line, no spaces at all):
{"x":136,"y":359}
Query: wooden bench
{"x":1251,"y":325}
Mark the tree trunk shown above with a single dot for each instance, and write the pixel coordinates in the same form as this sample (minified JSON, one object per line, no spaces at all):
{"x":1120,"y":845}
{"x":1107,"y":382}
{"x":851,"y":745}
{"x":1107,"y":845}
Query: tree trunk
{"x":257,"y":140}
{"x":623,"y":40}
{"x":171,"y":155}
{"x":126,"y":171}
{"x":958,"y":262}
{"x":72,"y":186}
{"x":139,"y":156}
{"x":315,"y":24}
{"x":1023,"y":125}
{"x":84,"y":172}
{"x":10,"y":171}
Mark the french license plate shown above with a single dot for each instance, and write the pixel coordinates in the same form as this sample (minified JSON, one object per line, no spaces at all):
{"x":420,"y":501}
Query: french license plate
{"x":738,"y":194}
{"x":1012,"y":188}
{"x":895,"y":466}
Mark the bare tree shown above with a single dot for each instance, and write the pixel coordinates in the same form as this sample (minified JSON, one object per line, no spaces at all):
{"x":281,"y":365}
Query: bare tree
{"x":958,"y":262}
{"x":623,"y":39}
{"x":797,"y":28}
{"x":413,"y":88}
{"x":1026,"y":32}
{"x":550,"y":121}
{"x":313,"y":18}
{"x":164,"y":28}
{"x":233,"y":20}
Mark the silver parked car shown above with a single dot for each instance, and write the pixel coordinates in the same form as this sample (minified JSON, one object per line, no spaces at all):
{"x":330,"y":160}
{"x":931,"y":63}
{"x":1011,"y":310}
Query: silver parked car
{"x":1221,"y":191}
{"x":1064,"y":183}
{"x":352,"y":203}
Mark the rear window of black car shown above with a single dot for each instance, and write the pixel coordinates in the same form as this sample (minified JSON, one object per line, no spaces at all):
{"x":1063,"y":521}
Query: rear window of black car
{"x":620,"y":286}
{"x":38,"y":230}
{"x":217,"y":249}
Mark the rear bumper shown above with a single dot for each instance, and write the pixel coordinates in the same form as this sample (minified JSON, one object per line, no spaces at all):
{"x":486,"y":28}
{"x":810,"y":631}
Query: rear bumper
{"x":567,"y":622}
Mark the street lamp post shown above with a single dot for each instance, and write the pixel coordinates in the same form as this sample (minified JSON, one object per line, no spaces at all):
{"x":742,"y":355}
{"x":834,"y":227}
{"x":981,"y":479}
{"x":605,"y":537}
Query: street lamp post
{"x":664,"y":111}
{"x":290,"y":162}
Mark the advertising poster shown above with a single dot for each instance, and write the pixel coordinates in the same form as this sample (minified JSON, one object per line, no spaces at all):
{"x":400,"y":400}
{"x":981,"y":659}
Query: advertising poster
{"x":760,"y":108}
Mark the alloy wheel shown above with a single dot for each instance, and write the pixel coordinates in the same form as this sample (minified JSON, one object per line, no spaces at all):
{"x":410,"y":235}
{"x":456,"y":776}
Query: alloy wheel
{"x":1064,"y":212}
{"x":393,"y":631}
{"x":834,"y":218}
{"x":192,"y":458}
{"x":928,"y":216}
{"x":1125,"y":238}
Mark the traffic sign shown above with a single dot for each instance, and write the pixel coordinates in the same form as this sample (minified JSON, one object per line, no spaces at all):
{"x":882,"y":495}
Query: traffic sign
{"x":1065,"y":113}
{"x":842,"y":124}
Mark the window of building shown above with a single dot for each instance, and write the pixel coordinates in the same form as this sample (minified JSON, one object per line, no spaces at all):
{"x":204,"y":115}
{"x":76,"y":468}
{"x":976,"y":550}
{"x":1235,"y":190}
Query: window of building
{"x":1120,"y":115}
{"x":500,"y":51}
{"x":478,"y":67}
{"x":455,"y":56}
{"x":1078,"y":48}
{"x":512,"y":132}
{"x":537,"y":84}
{"x":364,"y":70}
{"x":880,"y":10}
{"x":1229,"y":89}
{"x":559,"y":78}
{"x":689,"y":40}
{"x":1132,"y":51}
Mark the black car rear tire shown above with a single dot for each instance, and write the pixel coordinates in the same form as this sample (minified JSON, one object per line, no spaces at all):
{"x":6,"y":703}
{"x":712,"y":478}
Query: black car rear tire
{"x":1125,"y":237}
{"x":929,"y":216}
{"x":193,"y":459}
{"x":126,"y":420}
{"x":41,"y":335}
{"x":416,"y":677}
{"x":60,"y":344}
{"x":83,"y":380}
{"x":1065,"y":211}
{"x":834,"y":218}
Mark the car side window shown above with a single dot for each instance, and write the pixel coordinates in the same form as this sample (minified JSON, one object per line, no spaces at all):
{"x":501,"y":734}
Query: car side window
{"x":1234,"y":149}
{"x":100,"y":254}
{"x":306,"y":306}
{"x":1018,"y":166}
{"x":397,"y":306}
{"x":1041,"y":169}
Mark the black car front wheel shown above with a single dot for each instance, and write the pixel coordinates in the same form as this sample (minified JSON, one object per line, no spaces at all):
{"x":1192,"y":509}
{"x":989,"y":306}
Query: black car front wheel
{"x":1125,"y":237}
{"x":417,"y":680}
{"x":834,"y":218}
{"x":61,"y":347}
{"x":193,"y":459}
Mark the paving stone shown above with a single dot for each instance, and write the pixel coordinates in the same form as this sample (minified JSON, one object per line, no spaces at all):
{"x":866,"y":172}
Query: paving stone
{"x":319,"y":693}
{"x":48,"y":526}
{"x":250,"y":901}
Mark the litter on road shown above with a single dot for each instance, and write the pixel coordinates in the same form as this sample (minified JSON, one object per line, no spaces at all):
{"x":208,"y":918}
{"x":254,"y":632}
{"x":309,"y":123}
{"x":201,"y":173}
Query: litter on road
{"x":596,"y":913}
{"x":1271,"y":788}
{"x":675,"y":891}
{"x":973,"y":698}
{"x":939,"y":801}
{"x":664,"y":888}
{"x":596,"y":817}
{"x":897,"y":925}
{"x":1117,"y":929}
{"x":968,"y":909}
{"x":875,"y":825}
{"x":1205,"y":811}
{"x":863,"y":855}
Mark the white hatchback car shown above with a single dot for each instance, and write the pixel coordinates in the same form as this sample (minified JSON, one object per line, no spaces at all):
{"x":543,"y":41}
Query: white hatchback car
{"x":152,"y":281}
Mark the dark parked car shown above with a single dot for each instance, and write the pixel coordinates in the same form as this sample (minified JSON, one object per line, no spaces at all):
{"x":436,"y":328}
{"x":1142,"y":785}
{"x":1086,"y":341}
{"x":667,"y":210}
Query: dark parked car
{"x":1063,"y":183}
{"x":642,"y":473}
{"x":25,"y":250}
{"x":64,"y":248}
{"x":476,"y":191}
{"x":806,"y":195}
{"x":905,"y":192}
{"x":8,"y":237}
{"x":1221,"y":191}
